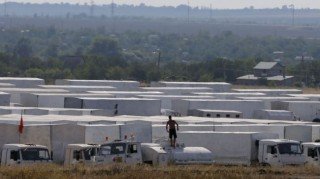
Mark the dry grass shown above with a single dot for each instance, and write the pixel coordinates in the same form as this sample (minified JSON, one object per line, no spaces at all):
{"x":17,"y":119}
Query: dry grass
{"x":146,"y":171}
{"x":311,"y":90}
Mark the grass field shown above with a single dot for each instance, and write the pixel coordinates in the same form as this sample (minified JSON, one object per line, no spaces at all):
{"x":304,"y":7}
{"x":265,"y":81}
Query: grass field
{"x":146,"y":171}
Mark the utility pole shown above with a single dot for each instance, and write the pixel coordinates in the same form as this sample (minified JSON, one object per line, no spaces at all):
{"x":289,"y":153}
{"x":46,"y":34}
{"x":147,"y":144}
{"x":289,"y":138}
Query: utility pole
{"x":113,"y":21}
{"x":159,"y":58}
{"x":188,"y":11}
{"x":211,"y":12}
{"x":158,"y":52}
{"x":5,"y":8}
{"x":293,"y":14}
{"x":112,"y":8}
{"x":112,"y":17}
{"x":91,"y":8}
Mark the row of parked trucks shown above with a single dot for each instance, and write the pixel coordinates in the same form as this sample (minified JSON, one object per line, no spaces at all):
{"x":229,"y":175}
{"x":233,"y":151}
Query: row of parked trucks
{"x":118,"y":151}
{"x":274,"y":152}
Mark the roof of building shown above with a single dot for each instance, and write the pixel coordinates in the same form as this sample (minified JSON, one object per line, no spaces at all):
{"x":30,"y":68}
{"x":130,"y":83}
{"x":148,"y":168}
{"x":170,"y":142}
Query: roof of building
{"x":248,"y":77}
{"x":279,"y":78}
{"x":272,"y":78}
{"x":265,"y":65}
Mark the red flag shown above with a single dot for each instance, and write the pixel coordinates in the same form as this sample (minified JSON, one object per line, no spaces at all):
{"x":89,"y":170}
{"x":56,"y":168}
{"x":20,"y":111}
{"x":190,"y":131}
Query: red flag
{"x":21,"y":125}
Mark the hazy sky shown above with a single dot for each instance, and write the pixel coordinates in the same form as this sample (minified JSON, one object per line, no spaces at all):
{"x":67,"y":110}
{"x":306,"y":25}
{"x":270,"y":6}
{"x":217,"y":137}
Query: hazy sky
{"x":215,"y":3}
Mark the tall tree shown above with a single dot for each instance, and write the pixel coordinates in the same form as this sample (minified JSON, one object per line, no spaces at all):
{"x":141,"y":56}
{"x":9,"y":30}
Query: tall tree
{"x":23,"y":48}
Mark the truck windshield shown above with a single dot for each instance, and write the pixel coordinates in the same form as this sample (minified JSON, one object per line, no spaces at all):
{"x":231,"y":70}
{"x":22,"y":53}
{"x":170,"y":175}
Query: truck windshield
{"x":112,"y":149}
{"x":289,"y":148}
{"x":88,"y":153}
{"x":35,"y":154}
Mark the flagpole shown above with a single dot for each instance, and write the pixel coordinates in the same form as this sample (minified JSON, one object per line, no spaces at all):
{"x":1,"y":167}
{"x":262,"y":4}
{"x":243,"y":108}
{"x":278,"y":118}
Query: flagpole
{"x":20,"y":129}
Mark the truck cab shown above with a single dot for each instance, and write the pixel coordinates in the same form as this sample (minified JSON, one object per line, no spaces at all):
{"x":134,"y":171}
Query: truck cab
{"x":24,"y":154}
{"x":311,"y":151}
{"x":120,"y":151}
{"x":81,"y":153}
{"x":279,"y":152}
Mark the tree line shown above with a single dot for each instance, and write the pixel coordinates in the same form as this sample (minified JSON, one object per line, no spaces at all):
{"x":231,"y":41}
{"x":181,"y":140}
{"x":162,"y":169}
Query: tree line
{"x":149,"y":56}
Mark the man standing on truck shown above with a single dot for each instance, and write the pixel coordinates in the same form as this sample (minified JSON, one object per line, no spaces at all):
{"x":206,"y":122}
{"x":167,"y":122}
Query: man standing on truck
{"x":172,"y":131}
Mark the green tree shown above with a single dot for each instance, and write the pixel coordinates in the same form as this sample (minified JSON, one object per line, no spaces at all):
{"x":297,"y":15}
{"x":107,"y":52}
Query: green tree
{"x":105,"y":46}
{"x":23,"y":48}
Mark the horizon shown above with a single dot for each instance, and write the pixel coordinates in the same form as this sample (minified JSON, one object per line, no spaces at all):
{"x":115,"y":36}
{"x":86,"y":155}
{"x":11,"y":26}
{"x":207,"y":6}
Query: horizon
{"x":231,"y":4}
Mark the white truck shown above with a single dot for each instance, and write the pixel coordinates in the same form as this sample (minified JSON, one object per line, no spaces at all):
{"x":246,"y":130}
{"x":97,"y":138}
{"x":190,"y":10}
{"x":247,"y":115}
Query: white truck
{"x":130,"y":152}
{"x":119,"y":151}
{"x":24,"y":154}
{"x":311,"y":151}
{"x":278,"y":152}
{"x":81,"y":153}
{"x":245,"y":148}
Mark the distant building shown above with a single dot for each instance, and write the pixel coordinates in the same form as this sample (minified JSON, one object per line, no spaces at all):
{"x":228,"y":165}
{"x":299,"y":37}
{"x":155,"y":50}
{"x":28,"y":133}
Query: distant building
{"x":268,"y":69}
{"x":266,"y":72}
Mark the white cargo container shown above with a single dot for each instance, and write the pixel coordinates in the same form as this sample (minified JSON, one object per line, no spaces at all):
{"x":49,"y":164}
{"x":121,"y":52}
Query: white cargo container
{"x":16,"y":92}
{"x":227,"y":147}
{"x":22,"y":82}
{"x":268,"y":128}
{"x":4,"y":99}
{"x":53,"y":111}
{"x":215,"y":86}
{"x":159,"y":130}
{"x":230,"y":95}
{"x":303,"y":133}
{"x":304,"y":110}
{"x":127,"y":94}
{"x":31,"y":134}
{"x":215,"y":113}
{"x":312,"y":97}
{"x":62,"y":135}
{"x":268,"y":100}
{"x":247,"y":107}
{"x":80,"y":112}
{"x":270,"y":92}
{"x":166,"y":100}
{"x":140,"y":130}
{"x":121,"y":106}
{"x":120,"y":85}
{"x":78,"y":89}
{"x":53,"y":100}
{"x":274,"y":115}
{"x":36,"y":134}
{"x":7,"y":85}
{"x":178,"y":90}
{"x":24,"y":110}
{"x":9,"y":134}
{"x":5,"y":111}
